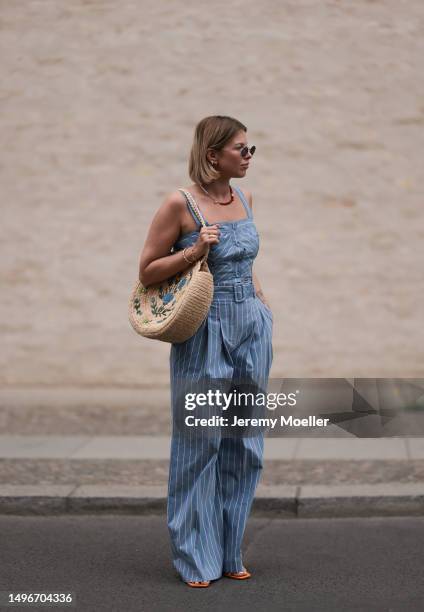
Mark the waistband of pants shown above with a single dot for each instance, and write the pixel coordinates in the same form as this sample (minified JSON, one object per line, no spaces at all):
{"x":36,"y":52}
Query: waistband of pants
{"x":238,"y":290}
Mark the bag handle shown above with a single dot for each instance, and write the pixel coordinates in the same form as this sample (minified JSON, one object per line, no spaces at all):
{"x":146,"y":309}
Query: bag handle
{"x":193,"y":205}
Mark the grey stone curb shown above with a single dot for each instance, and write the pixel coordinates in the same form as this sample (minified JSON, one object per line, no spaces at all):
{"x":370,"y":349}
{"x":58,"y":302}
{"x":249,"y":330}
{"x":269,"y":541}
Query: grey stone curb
{"x":307,"y":501}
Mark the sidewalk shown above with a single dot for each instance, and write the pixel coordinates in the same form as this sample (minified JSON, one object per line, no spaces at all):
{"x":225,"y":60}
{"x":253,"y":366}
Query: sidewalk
{"x":50,"y":461}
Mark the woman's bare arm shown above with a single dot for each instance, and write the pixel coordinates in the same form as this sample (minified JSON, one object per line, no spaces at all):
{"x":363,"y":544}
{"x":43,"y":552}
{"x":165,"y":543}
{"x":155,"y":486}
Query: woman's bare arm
{"x":156,"y":260}
{"x":258,"y":288}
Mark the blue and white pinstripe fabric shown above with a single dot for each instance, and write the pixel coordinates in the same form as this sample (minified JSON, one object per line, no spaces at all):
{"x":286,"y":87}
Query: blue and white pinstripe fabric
{"x":213,"y":478}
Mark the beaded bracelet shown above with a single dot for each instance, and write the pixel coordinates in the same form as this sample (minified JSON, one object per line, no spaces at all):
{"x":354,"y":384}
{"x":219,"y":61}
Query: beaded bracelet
{"x":188,"y":260}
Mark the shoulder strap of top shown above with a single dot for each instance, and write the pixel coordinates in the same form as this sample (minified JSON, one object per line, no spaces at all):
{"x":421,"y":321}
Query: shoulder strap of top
{"x":244,"y":202}
{"x":194,"y":208}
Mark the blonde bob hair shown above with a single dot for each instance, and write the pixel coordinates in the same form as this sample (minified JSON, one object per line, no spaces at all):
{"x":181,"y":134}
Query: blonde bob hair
{"x":210,"y":133}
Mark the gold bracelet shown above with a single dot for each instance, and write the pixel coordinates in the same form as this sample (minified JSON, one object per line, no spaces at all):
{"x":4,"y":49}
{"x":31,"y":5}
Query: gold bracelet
{"x":188,"y":260}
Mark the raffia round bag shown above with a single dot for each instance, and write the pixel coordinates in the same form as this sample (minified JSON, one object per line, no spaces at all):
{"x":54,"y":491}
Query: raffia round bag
{"x":174,"y":309}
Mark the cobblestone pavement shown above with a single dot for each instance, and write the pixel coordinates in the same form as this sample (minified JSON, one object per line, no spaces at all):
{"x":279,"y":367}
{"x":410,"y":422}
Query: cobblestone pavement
{"x":24,"y":471}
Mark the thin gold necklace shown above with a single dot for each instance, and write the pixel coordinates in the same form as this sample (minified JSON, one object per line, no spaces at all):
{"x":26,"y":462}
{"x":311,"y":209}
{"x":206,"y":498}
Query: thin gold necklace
{"x":216,"y":201}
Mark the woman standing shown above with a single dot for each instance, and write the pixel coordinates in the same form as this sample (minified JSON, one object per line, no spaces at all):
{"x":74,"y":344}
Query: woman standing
{"x":212,"y":478}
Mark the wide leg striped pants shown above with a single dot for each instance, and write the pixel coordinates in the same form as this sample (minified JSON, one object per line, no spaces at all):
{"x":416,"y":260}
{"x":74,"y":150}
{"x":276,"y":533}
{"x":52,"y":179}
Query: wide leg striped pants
{"x":213,"y":477}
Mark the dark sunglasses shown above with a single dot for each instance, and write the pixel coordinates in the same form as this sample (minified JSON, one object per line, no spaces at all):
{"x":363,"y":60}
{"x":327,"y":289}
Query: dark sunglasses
{"x":245,"y":150}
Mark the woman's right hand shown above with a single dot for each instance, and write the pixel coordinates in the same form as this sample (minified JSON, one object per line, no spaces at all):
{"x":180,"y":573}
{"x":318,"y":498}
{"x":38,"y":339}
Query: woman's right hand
{"x":157,"y":262}
{"x":207,"y":236}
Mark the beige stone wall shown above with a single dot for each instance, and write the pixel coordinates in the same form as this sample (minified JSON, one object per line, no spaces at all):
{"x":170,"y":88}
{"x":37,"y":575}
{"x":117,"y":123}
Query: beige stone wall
{"x":99,"y":100}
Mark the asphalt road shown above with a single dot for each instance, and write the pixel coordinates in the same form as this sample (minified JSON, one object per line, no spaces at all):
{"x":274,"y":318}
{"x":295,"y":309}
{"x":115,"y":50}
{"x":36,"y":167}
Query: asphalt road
{"x":116,"y":563}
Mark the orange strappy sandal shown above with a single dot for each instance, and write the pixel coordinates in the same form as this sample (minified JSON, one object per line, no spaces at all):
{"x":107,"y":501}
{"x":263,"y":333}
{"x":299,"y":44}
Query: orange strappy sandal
{"x":197,"y":585}
{"x":238,"y":575}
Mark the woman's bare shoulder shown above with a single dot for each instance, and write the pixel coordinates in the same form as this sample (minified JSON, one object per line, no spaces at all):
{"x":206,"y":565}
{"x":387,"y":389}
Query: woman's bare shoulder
{"x":171,"y":209}
{"x":174,"y":200}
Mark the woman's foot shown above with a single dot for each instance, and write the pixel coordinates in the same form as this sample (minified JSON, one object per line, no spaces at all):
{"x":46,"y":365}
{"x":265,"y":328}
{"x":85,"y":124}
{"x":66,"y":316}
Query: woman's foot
{"x":203,"y":584}
{"x":238,"y":575}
